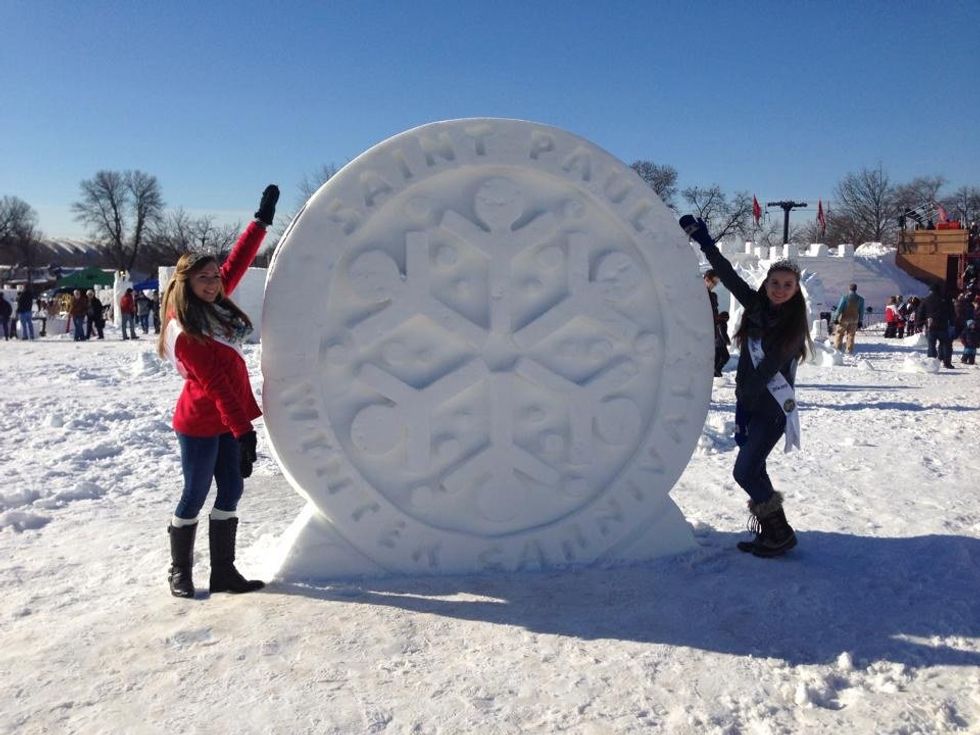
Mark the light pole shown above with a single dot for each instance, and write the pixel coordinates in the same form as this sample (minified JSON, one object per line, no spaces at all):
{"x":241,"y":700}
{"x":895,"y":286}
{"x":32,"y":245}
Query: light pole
{"x":787,"y":207}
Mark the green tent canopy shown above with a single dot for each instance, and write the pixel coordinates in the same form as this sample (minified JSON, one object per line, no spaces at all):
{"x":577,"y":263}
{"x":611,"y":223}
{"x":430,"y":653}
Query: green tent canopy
{"x":87,"y":278}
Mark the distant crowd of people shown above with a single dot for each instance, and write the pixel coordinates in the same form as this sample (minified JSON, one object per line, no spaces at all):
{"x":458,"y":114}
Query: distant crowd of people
{"x":87,"y":314}
{"x":943,"y":318}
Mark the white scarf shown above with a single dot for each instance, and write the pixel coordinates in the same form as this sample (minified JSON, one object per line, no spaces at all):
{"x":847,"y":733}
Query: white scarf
{"x":782,"y":391}
{"x":174,"y":330}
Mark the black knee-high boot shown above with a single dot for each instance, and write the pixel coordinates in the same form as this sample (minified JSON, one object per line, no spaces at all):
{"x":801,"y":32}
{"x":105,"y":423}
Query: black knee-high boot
{"x":181,"y":560}
{"x":224,"y":576}
{"x":774,"y":535}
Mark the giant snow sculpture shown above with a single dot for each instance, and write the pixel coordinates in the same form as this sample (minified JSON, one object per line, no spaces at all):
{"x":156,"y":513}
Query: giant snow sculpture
{"x":486,"y":346}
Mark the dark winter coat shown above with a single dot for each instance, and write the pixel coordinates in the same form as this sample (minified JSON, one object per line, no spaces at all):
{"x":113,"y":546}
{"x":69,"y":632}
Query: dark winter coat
{"x":79,"y":306}
{"x":937,"y":307}
{"x":970,"y":336}
{"x":6,"y":308}
{"x":96,"y":311}
{"x":760,"y":316}
{"x":25,"y":301}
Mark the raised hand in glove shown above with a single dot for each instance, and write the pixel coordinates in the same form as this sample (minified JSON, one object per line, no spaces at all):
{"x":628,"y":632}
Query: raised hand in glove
{"x":697,"y":230}
{"x":247,"y":443}
{"x":267,"y":207}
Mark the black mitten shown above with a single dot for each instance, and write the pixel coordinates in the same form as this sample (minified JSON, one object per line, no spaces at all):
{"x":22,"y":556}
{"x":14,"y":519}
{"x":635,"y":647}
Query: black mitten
{"x":697,"y":230}
{"x":267,"y":207}
{"x":247,"y":444}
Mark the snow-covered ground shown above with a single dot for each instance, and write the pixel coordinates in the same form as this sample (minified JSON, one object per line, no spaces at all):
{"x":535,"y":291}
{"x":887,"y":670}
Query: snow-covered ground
{"x":871,"y":625}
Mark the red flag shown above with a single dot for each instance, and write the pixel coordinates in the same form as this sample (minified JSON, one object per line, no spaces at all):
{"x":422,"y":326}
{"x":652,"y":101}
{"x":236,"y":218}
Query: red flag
{"x":941,"y":213}
{"x":821,"y":219}
{"x":756,"y":209}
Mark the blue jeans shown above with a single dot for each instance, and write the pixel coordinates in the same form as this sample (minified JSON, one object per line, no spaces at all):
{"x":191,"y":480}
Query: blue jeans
{"x":145,"y":322}
{"x":79,"y":322}
{"x":26,"y":325}
{"x":129,"y":319}
{"x":203,"y":458}
{"x":757,"y":433}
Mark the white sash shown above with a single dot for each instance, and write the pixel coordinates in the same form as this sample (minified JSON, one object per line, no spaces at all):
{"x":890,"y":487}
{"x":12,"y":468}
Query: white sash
{"x":782,"y":391}
{"x":174,"y":330}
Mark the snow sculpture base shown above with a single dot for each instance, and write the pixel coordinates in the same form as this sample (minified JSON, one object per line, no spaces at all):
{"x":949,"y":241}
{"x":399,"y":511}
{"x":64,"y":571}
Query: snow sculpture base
{"x":312,"y":550}
{"x":486,"y":346}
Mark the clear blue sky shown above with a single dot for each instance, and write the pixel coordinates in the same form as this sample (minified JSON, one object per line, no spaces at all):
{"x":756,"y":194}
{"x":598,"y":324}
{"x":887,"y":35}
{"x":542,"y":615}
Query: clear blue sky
{"x":216,"y":99}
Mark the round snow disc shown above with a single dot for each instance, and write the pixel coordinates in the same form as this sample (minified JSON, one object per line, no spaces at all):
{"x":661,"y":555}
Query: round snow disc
{"x":485,"y":342}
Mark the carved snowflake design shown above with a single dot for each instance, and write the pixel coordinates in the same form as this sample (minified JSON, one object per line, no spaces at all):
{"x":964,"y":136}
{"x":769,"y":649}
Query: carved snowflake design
{"x":495,"y":360}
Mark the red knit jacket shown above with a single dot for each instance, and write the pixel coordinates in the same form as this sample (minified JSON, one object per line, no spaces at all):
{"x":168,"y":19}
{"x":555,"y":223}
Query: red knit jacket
{"x":217,"y":396}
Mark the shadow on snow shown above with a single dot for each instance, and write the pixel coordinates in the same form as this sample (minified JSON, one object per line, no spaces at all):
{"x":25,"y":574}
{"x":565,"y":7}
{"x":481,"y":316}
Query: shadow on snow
{"x":905,"y":600}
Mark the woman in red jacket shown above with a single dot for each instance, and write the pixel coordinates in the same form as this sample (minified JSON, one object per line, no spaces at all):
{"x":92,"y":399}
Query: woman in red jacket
{"x":202,"y":334}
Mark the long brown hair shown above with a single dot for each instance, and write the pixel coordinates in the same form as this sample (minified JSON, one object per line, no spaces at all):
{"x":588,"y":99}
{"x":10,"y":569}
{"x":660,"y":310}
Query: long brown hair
{"x":790,"y":322}
{"x":193,"y":314}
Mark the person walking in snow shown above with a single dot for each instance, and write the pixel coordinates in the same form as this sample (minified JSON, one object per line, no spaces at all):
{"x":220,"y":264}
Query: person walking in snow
{"x":202,"y":334}
{"x":96,"y":316}
{"x":894,"y":324}
{"x":773,"y":337}
{"x":25,"y":312}
{"x":721,"y":323}
{"x":6,"y":309}
{"x":970,"y":337}
{"x":908,"y":311}
{"x":78,"y":310}
{"x":143,"y":308}
{"x":850,"y":318}
{"x":935,"y":314}
{"x":127,"y":312}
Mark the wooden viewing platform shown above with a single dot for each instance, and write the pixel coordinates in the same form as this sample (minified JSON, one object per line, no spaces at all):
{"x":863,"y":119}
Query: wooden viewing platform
{"x":935,"y":255}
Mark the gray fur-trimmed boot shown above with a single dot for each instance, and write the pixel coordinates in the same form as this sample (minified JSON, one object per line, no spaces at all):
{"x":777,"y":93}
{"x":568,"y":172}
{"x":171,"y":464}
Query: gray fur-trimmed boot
{"x":773,"y":534}
{"x":181,"y":559}
{"x":224,"y":576}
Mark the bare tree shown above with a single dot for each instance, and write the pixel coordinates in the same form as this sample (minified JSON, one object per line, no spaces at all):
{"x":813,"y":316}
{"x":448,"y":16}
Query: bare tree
{"x":178,"y":233}
{"x":920,"y":190}
{"x":20,"y":238}
{"x":307,"y":187}
{"x":662,"y":179}
{"x":120,"y":209}
{"x":964,"y":204}
{"x":865,"y":209}
{"x":724,"y":217}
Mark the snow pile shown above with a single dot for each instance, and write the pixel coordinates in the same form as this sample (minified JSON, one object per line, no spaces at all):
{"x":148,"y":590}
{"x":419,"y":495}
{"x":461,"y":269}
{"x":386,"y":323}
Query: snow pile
{"x":824,"y":354}
{"x":872,"y":250}
{"x":920,"y":364}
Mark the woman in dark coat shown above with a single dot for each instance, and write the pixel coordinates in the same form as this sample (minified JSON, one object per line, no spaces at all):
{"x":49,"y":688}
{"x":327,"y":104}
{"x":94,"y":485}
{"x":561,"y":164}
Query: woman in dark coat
{"x":772,"y":336}
{"x":96,"y":315}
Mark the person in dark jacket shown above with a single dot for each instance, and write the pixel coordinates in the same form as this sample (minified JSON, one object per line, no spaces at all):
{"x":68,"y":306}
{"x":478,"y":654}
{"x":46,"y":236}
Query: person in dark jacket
{"x":970,"y":337}
{"x":25,"y":312}
{"x":78,"y":311}
{"x":143,"y":308}
{"x":721,"y":323}
{"x":96,"y":316}
{"x":6,"y":309}
{"x":772,"y":337}
{"x":935,"y":314}
{"x":202,"y":333}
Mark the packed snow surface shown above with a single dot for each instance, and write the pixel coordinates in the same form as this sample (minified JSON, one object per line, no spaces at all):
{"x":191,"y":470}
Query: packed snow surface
{"x":871,"y":625}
